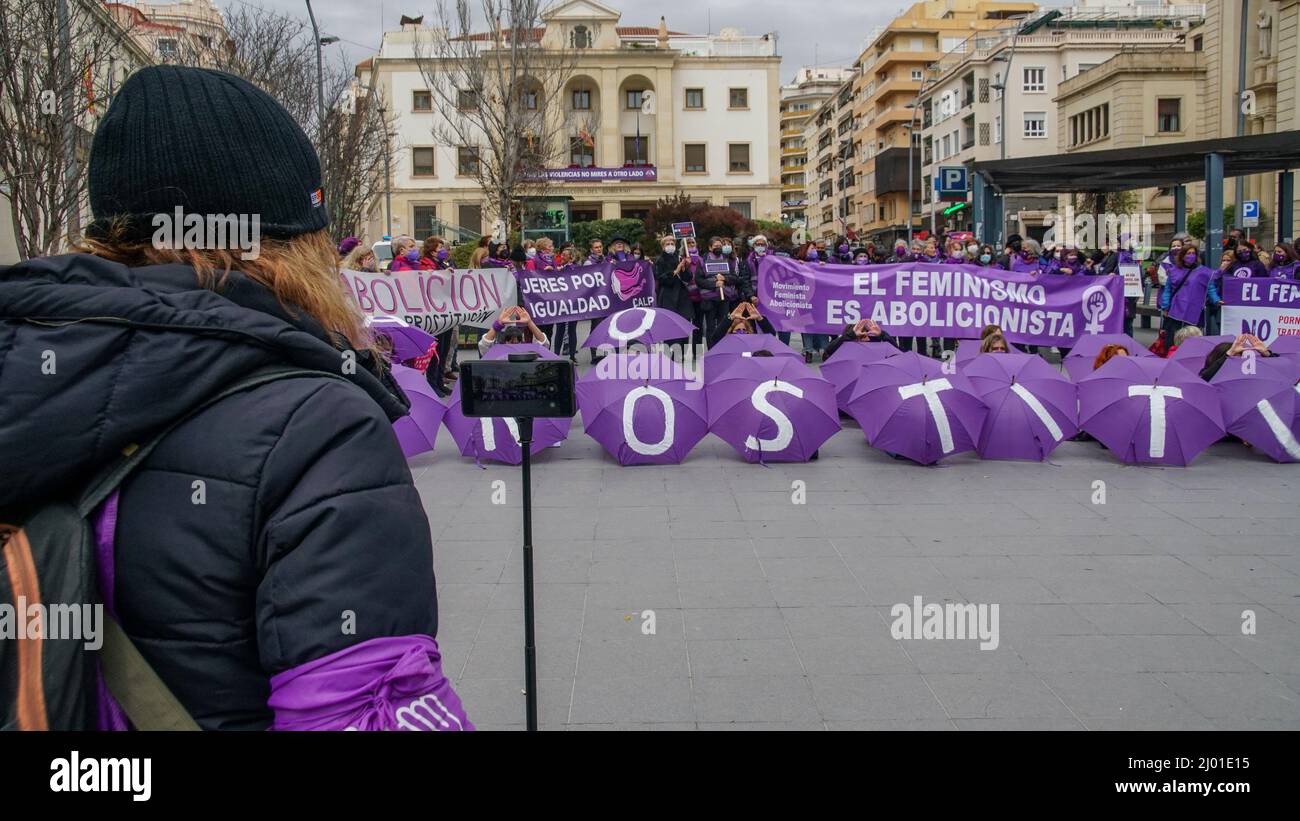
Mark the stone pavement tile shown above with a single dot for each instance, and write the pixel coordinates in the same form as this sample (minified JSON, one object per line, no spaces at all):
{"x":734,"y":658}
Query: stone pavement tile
{"x":707,"y":529}
{"x":1128,"y":654}
{"x":623,"y":515}
{"x":979,"y":567}
{"x":812,"y":592}
{"x":469,"y":571}
{"x":450,"y":550}
{"x":817,"y":621}
{"x":793,"y":547}
{"x":1143,"y":724}
{"x":751,"y":698}
{"x":550,"y":623}
{"x":501,"y":529}
{"x":868,"y":654}
{"x":1097,"y":588}
{"x":763,"y":726}
{"x":892,"y":725}
{"x":625,"y":623}
{"x":632,"y":596}
{"x":804,"y":567}
{"x":1226,"y":619}
{"x":500,"y":701}
{"x":740,"y":593}
{"x":636,"y":699}
{"x":857,"y":698}
{"x":1137,"y":620}
{"x":657,"y":655}
{"x":1252,"y":696}
{"x":867,"y":545}
{"x":548,"y":569}
{"x":1239,"y":568}
{"x":546,"y":596}
{"x":1132,"y":696}
{"x":995,"y":695}
{"x":744,"y":567}
{"x":465,"y":597}
{"x":1188,"y":590}
{"x":1280,"y":591}
{"x":742,"y":657}
{"x":636,"y":568}
{"x":1271,"y":651}
{"x":1256,"y":725}
{"x":734,"y":623}
{"x":1018,"y":724}
{"x":1005,"y":591}
{"x":502,"y":656}
{"x":624,"y":727}
{"x":712,"y":548}
{"x":1018,"y":619}
{"x":722,"y":511}
{"x":963,"y":656}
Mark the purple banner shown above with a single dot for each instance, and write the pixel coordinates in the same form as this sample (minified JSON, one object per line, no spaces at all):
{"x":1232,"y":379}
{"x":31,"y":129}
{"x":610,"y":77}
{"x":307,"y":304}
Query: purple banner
{"x":1267,"y":308}
{"x":587,"y":291}
{"x":636,"y":173}
{"x":928,"y":299}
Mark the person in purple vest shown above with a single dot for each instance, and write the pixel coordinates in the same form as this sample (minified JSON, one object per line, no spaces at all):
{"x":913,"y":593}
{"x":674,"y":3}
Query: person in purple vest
{"x":1245,"y":262}
{"x":956,"y":253}
{"x":901,"y":254}
{"x":1026,"y":260}
{"x":843,"y":253}
{"x":1282,"y":262}
{"x":1189,"y":289}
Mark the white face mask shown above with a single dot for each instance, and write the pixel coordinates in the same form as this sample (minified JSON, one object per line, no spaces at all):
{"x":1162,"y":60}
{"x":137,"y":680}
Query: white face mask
{"x":531,"y":252}
{"x":760,"y":249}
{"x":670,"y":249}
{"x":972,"y":249}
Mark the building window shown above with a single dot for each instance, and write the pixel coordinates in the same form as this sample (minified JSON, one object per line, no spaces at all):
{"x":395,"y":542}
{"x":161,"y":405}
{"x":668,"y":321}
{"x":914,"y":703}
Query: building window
{"x":1198,"y":43}
{"x":580,"y":37}
{"x":916,"y":74}
{"x":694,"y":98}
{"x":470,"y":216}
{"x":634,"y":98}
{"x":466,"y":99}
{"x":421,"y":101}
{"x":695,"y":159}
{"x":529,"y":99}
{"x":424,"y":220}
{"x":1035,"y":123}
{"x":997,"y":85}
{"x":739,"y":98}
{"x":167,"y":48}
{"x":422,"y":162}
{"x":997,"y":130}
{"x":738,"y":158}
{"x":1167,"y":110}
{"x":582,"y":99}
{"x":745,"y":207}
{"x":1035,"y":79}
{"x":636,"y":150}
{"x":466,"y":161}
{"x":582,"y":153}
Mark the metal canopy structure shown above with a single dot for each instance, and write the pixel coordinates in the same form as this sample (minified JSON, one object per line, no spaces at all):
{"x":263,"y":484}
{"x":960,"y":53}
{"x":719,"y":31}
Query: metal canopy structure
{"x":1152,"y":166}
{"x":1169,"y":165}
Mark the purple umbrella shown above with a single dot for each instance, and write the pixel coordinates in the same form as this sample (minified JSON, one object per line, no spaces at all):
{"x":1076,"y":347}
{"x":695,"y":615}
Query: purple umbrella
{"x":968,"y":349}
{"x":1078,"y":363}
{"x":418,"y":430}
{"x":643,"y":408}
{"x":1191,"y":354}
{"x":408,"y":341}
{"x":908,"y":405}
{"x":1150,"y":411}
{"x":843,"y":368}
{"x":772,"y":409}
{"x":738,"y":348}
{"x":644,"y":325}
{"x":1032,"y":406}
{"x":497,"y":438}
{"x":1261,"y":403}
{"x":1289,"y":344}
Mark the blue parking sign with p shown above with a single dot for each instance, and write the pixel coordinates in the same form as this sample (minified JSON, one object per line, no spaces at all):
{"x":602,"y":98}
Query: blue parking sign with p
{"x":952,"y":179}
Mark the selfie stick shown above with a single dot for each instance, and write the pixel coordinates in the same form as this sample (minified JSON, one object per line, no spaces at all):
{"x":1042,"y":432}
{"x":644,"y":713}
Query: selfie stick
{"x":530,"y":641}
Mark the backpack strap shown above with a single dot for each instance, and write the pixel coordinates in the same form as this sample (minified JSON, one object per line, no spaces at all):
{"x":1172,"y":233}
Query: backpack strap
{"x":142,"y":695}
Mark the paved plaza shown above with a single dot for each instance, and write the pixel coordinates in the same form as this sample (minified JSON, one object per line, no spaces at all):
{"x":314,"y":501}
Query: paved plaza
{"x":773,"y":614}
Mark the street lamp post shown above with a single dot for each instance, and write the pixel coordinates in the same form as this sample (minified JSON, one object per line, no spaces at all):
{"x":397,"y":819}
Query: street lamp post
{"x":320,"y":71}
{"x":911,"y":141}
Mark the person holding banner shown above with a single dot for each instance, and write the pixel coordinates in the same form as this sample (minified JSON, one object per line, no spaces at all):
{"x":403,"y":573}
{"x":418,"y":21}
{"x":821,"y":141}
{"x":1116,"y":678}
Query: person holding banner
{"x":406,"y":256}
{"x":596,"y":254}
{"x":673,"y":276}
{"x":1026,"y":259}
{"x":718,"y":279}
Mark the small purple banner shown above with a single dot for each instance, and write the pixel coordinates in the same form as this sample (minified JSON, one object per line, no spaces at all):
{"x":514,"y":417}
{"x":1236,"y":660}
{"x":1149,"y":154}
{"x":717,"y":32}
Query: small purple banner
{"x":926,"y":299}
{"x":636,"y":173}
{"x":587,"y":291}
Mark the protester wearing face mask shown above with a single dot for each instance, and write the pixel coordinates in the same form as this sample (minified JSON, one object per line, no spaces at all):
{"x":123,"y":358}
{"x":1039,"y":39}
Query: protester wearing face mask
{"x":406,"y":255}
{"x":637,"y":252}
{"x":901,"y":254}
{"x":435,"y":255}
{"x":813,"y":342}
{"x":1189,"y":290}
{"x":360,"y":258}
{"x":1282,"y":262}
{"x":955,"y":254}
{"x":674,"y":275}
{"x":718,"y":287}
{"x":843,"y":254}
{"x":985,"y":257}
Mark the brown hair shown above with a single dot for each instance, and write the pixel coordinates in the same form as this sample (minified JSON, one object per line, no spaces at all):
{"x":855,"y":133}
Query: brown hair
{"x":1108,"y":353}
{"x":989,"y":330}
{"x":987,"y":343}
{"x":302,"y":272}
{"x":431,"y":246}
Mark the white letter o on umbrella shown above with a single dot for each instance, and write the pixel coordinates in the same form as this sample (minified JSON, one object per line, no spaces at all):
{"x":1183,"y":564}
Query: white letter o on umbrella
{"x":647,"y":319}
{"x":670,"y":418}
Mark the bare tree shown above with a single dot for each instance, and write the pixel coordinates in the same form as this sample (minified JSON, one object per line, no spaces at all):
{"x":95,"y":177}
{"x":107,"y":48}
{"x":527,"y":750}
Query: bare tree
{"x":60,"y":62}
{"x":498,"y":95}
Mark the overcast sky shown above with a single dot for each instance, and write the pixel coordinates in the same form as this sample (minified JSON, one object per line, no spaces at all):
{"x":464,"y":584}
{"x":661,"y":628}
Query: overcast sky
{"x":824,"y":32}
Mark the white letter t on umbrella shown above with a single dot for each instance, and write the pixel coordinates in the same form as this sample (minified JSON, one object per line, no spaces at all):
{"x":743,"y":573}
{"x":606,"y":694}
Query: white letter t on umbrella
{"x":930,"y":390}
{"x":1157,"y":393}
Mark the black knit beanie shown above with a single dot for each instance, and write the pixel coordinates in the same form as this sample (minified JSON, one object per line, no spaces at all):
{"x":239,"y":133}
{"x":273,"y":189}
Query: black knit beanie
{"x":208,"y":142}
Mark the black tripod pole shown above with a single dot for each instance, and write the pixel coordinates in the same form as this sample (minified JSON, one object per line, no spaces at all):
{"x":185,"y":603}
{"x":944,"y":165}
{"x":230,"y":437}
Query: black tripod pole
{"x":530,"y":642}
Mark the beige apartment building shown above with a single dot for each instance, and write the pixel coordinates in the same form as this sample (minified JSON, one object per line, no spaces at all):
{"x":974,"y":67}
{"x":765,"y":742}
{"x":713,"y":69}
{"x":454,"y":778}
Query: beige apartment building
{"x":800,"y":100}
{"x":1190,"y":93}
{"x":996,"y":96}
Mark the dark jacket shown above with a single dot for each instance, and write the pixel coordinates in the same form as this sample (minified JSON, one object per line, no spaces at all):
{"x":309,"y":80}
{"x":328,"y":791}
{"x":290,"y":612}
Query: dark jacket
{"x":671,"y":289}
{"x":308,"y":509}
{"x":708,"y":283}
{"x":847,"y":336}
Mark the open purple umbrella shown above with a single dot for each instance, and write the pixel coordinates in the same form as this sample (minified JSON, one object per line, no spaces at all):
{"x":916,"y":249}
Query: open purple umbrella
{"x":1033,"y":408}
{"x":1078,"y":363}
{"x":1148,"y":410}
{"x":1261,"y":403}
{"x":644,"y":325}
{"x":1191,"y":354}
{"x":907,"y":405}
{"x":772,"y":409}
{"x":408,"y":341}
{"x":734,"y":348}
{"x":497,"y":438}
{"x":644,"y":408}
{"x":1289,"y":344}
{"x":418,"y":430}
{"x":843,"y":368}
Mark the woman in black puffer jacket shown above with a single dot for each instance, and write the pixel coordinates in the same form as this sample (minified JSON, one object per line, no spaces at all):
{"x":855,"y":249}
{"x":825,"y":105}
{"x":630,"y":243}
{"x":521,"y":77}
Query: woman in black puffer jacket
{"x":273,"y":544}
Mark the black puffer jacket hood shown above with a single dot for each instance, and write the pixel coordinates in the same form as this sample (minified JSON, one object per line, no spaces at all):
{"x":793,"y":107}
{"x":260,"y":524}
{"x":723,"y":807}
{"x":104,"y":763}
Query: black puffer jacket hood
{"x":95,"y":355}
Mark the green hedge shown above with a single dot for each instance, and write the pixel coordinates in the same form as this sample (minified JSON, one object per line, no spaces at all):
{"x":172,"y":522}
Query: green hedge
{"x":582,"y":233}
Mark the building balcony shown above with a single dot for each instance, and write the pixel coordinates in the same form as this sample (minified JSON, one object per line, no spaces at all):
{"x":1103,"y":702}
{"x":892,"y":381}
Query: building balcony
{"x":891,"y":170}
